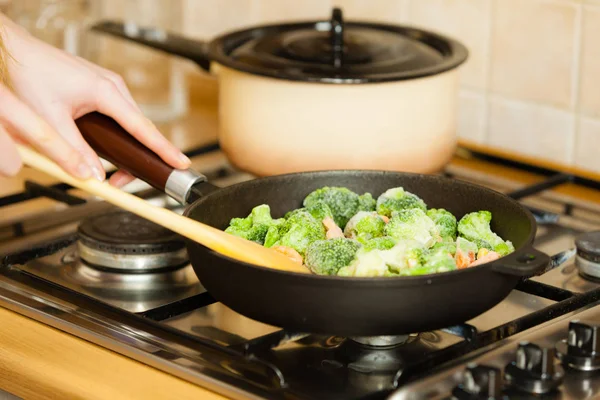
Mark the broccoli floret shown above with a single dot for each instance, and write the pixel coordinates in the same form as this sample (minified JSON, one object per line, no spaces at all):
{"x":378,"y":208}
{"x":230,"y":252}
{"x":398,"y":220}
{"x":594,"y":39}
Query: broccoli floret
{"x":297,"y":232}
{"x":385,"y":262}
{"x":475,"y":227}
{"x":445,"y":221}
{"x":366,"y":202}
{"x":447,"y":245}
{"x":435,"y":262}
{"x":466,"y":246}
{"x":326,"y":257}
{"x":343,"y":202}
{"x":380,"y":243}
{"x":319,"y":210}
{"x":364,"y":225}
{"x":397,"y":199}
{"x":255,"y":226}
{"x":412,"y":224}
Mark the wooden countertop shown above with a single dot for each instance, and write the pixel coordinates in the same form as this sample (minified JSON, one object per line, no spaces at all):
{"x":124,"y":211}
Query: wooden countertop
{"x":40,"y":362}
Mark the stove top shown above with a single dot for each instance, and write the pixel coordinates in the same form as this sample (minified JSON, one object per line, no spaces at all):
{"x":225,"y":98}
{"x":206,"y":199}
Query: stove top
{"x":96,"y":277}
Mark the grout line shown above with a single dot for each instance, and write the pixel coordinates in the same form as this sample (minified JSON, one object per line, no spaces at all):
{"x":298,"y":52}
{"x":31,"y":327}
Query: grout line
{"x":488,"y":65}
{"x":576,"y":83}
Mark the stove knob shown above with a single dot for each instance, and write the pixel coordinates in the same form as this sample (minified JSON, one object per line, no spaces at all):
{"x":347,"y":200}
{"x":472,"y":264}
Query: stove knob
{"x":581,"y":349}
{"x":480,"y":382}
{"x":534,"y":370}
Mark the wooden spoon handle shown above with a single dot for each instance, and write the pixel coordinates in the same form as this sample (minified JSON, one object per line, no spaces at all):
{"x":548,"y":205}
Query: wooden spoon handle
{"x":215,"y":239}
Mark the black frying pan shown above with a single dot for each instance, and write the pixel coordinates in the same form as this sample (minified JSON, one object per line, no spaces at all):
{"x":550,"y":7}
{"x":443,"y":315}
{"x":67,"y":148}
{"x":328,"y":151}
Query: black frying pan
{"x":329,"y":304}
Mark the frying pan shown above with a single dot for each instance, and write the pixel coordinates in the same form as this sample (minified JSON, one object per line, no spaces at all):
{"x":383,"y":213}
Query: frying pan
{"x":330,"y":304}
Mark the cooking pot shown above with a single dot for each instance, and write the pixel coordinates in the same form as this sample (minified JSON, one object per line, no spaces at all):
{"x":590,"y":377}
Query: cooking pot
{"x":327,"y":94}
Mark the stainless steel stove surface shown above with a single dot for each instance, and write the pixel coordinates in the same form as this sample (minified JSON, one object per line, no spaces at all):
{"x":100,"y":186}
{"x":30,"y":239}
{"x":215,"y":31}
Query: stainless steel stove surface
{"x":148,"y":304}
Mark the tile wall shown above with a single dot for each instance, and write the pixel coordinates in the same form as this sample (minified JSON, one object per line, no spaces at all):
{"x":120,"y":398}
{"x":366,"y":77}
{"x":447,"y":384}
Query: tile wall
{"x":532,"y":82}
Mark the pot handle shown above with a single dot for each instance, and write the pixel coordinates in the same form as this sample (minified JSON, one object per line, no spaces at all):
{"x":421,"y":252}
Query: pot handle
{"x":527,"y":263}
{"x":337,"y":37}
{"x":116,"y":145}
{"x":158,"y":39}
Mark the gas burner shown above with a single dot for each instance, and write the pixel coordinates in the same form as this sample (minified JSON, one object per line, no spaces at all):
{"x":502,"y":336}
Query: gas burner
{"x":124,"y":242}
{"x":381,"y":341}
{"x":588,"y":254}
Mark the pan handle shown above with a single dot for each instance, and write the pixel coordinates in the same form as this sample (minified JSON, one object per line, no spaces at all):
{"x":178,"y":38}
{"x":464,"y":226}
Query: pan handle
{"x":158,"y":39}
{"x":523,"y":263}
{"x":116,"y":145}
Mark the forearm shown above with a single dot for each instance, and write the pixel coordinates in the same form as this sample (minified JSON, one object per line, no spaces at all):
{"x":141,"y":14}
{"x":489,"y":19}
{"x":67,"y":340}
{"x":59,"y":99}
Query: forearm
{"x":4,"y":55}
{"x":18,"y":46}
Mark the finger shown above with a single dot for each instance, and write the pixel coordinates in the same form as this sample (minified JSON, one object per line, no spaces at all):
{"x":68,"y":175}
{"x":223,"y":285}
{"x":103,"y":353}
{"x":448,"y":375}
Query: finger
{"x":114,"y":78}
{"x":19,"y":120}
{"x":10,"y":162}
{"x":63,"y":123}
{"x":111,"y":102}
{"x":121,"y":178}
{"x":122,"y":87}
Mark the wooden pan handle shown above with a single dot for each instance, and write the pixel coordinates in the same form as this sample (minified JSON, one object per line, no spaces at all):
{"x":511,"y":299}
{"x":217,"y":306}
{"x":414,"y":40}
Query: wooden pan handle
{"x":116,"y":145}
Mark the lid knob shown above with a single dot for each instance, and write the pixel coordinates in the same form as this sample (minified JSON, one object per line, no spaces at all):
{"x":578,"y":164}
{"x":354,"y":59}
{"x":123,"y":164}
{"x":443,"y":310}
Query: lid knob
{"x":337,"y":37}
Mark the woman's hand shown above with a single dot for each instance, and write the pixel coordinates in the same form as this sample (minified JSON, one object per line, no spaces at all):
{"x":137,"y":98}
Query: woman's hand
{"x":60,"y":88}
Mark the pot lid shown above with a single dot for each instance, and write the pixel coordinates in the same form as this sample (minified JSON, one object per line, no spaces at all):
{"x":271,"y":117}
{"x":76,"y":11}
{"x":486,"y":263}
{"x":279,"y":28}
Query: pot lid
{"x":338,"y":52}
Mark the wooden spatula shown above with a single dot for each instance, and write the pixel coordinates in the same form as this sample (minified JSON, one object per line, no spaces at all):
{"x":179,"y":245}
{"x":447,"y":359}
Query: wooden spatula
{"x":215,"y":239}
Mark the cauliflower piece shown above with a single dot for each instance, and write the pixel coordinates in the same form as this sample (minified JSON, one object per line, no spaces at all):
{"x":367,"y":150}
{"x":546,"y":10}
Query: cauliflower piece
{"x":386,"y":262}
{"x":397,"y":199}
{"x":255,"y":226}
{"x":343,"y":202}
{"x":435,"y":262}
{"x":364,"y":225}
{"x":445,"y":221}
{"x":297,"y":232}
{"x":326,"y":257}
{"x":475,"y":227}
{"x":413,"y":224}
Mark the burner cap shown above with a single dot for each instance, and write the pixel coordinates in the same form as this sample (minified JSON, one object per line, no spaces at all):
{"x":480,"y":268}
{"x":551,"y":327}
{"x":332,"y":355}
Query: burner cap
{"x":381,"y":341}
{"x":588,"y":246}
{"x":124,"y":241}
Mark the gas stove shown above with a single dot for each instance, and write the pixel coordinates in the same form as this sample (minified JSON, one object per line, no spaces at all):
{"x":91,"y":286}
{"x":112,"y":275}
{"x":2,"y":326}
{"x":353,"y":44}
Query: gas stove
{"x":121,"y":282}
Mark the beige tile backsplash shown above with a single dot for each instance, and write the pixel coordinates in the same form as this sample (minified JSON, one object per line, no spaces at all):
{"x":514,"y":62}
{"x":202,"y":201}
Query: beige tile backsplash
{"x":532,"y":82}
{"x":468,"y":21}
{"x":589,"y":79}
{"x":587,"y":144}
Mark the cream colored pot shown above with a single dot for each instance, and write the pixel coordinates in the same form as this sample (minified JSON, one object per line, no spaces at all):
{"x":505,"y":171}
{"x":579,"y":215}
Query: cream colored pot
{"x":327,"y":94}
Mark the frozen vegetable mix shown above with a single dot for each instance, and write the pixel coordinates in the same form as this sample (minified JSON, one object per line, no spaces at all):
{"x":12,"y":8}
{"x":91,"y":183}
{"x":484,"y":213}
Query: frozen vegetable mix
{"x":336,"y":231}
